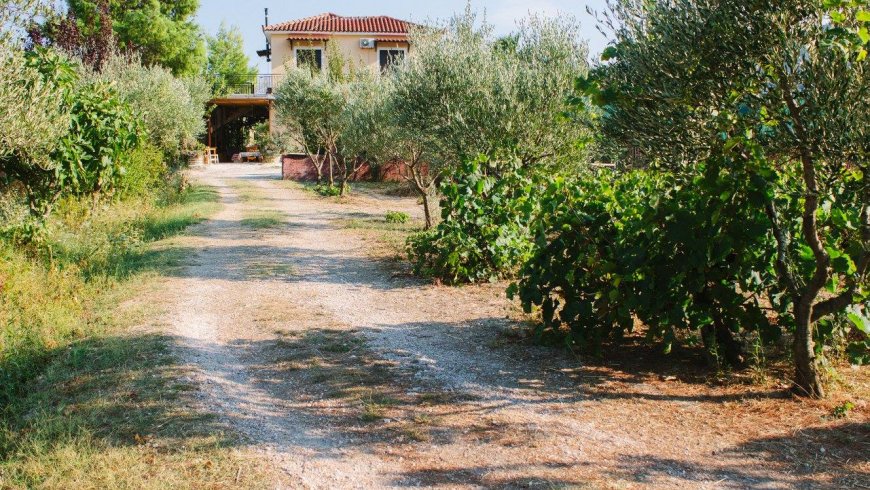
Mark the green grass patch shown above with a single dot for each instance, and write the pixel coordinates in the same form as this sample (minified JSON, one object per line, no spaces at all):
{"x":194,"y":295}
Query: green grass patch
{"x":262,"y":219}
{"x":256,"y":218}
{"x":269,"y":270}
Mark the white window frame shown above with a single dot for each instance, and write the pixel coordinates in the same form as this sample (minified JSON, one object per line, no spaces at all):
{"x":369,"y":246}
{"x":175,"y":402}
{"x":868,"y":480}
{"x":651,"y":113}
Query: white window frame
{"x":309,"y":48}
{"x":397,"y":48}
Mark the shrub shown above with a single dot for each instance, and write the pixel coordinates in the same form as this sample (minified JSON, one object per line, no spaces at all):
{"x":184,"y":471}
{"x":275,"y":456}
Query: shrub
{"x":327,"y":190}
{"x":484,"y":233}
{"x":89,"y":156}
{"x":691,"y":258}
{"x":103,"y":134}
{"x":172,"y":110}
{"x":144,"y":171}
{"x":397,"y":217}
{"x":33,"y":118}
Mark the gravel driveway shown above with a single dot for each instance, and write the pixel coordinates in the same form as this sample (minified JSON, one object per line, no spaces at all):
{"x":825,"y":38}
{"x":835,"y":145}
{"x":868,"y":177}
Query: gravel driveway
{"x":348,"y":373}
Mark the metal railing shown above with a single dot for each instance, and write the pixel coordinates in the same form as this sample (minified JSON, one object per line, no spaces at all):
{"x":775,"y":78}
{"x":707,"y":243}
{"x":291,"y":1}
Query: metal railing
{"x":251,"y":85}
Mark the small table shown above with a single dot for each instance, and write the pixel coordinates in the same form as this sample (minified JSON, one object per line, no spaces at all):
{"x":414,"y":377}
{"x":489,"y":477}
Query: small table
{"x":250,"y":156}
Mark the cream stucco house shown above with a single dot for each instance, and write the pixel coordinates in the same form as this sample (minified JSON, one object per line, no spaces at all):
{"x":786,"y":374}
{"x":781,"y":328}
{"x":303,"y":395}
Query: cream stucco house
{"x":372,"y":42}
{"x":365,"y":41}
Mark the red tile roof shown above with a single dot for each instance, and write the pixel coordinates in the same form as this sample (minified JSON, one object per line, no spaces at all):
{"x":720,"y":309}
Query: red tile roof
{"x":330,"y":22}
{"x":308,"y":37}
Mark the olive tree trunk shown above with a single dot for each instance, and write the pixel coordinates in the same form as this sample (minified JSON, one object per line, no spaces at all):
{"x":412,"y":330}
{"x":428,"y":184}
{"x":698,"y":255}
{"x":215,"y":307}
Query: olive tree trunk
{"x":423,"y":183}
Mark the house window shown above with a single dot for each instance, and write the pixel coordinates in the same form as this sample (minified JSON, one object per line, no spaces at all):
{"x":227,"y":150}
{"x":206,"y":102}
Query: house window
{"x":388,"y":56}
{"x":311,"y":58}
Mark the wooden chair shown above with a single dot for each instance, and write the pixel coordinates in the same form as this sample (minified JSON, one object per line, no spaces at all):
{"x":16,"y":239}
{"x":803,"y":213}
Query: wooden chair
{"x":211,"y":155}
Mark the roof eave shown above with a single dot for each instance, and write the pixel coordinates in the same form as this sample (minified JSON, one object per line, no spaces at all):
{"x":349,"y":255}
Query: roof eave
{"x":333,"y":33}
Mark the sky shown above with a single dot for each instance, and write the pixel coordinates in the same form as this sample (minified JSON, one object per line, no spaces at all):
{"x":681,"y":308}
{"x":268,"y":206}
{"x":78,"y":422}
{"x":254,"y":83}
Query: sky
{"x":502,"y":14}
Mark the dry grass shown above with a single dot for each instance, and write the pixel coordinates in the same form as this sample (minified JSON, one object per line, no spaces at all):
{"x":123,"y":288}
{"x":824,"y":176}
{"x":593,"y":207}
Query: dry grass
{"x":99,"y":400}
{"x":387,"y":240}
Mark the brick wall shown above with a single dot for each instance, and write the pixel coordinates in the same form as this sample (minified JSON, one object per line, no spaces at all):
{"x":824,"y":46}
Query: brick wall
{"x":299,"y":167}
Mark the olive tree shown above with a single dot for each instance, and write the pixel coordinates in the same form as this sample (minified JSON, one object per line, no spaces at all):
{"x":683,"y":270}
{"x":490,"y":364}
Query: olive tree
{"x":778,"y":92}
{"x":172,"y":110}
{"x":538,"y":76}
{"x":310,"y":105}
{"x":462,"y":93}
{"x":364,"y":135}
{"x":34,"y":118}
{"x":16,"y":16}
{"x":391,"y":143}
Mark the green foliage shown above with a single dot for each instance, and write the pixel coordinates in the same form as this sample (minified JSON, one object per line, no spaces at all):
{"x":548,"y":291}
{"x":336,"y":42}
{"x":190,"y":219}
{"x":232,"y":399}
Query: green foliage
{"x":310,"y":105}
{"x":397,"y":217}
{"x":511,"y":104}
{"x":843,"y":410}
{"x":93,"y":155}
{"x":144,"y":171}
{"x":484,"y":234}
{"x":271,"y":141}
{"x":327,"y":190}
{"x":227,"y":62}
{"x":693,"y":89}
{"x":683,"y":256}
{"x":171,"y":110}
{"x":163,"y":32}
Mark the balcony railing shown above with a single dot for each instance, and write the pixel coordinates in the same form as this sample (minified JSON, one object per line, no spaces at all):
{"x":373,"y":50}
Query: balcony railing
{"x":250,"y":85}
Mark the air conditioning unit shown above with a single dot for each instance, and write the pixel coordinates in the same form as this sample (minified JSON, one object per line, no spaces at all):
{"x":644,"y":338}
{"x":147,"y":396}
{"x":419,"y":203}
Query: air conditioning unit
{"x":367,"y":43}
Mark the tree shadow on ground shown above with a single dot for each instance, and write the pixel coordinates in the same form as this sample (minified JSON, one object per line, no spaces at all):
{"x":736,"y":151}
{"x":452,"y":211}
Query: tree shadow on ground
{"x":484,"y":477}
{"x":119,"y":390}
{"x":326,"y":377}
{"x":831,"y":457}
{"x":500,"y":353}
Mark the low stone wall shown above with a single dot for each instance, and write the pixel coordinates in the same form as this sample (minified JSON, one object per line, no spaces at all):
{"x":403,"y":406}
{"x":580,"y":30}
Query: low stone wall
{"x":298,"y":166}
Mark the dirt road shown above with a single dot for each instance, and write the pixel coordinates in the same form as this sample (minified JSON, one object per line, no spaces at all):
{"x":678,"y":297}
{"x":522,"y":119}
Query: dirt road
{"x":349,"y":373}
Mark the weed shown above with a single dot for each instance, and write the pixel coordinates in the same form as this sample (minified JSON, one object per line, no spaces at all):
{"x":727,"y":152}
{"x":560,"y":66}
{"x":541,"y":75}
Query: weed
{"x":326,"y":190}
{"x":843,"y":410}
{"x":415,"y":434}
{"x":397,"y":217}
{"x":372,"y":411}
{"x":266,"y":270}
{"x":435,"y":398}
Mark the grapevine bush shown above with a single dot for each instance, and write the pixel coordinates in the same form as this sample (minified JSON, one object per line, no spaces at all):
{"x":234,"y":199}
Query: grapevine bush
{"x":689,"y":257}
{"x":484,"y":233}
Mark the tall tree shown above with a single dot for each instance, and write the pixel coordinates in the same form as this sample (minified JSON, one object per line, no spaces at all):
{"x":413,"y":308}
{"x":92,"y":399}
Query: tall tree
{"x":775,"y":90}
{"x":163,"y":32}
{"x":227,"y":62}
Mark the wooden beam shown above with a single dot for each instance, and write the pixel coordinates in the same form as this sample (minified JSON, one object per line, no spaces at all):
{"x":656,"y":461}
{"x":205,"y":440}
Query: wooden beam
{"x":242,"y":101}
